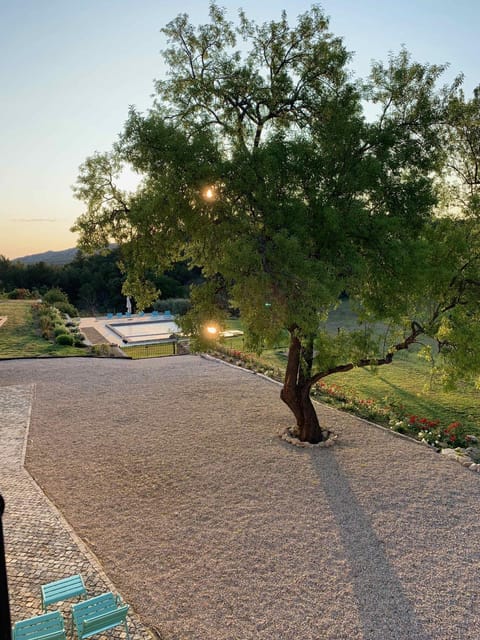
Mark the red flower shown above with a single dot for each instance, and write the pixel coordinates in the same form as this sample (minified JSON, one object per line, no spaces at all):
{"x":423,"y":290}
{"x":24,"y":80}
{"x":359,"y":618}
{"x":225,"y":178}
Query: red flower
{"x":452,"y":426}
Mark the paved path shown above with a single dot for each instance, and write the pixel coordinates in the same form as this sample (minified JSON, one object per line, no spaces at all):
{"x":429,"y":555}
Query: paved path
{"x":40,"y":545}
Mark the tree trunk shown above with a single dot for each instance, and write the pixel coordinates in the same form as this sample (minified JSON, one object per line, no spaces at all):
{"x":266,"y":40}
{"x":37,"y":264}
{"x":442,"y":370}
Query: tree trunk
{"x":299,"y":379}
{"x":296,"y":389}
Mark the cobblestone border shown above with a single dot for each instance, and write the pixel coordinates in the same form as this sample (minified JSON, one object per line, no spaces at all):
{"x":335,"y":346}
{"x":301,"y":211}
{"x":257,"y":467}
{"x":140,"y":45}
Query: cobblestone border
{"x":41,"y":546}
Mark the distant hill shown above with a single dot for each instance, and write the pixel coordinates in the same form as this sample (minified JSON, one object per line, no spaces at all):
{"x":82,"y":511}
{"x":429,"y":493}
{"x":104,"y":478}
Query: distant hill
{"x":58,"y":258}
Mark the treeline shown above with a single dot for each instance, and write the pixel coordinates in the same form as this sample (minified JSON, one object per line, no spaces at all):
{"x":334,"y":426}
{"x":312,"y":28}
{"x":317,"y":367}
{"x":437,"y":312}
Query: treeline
{"x":92,"y":283}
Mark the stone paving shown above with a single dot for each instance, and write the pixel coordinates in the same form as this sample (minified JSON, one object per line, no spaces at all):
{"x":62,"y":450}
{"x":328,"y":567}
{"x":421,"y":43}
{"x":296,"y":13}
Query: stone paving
{"x":40,"y":545}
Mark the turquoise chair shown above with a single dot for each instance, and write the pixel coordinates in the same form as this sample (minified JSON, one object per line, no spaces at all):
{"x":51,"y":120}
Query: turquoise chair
{"x":98,"y":614}
{"x":48,"y":626}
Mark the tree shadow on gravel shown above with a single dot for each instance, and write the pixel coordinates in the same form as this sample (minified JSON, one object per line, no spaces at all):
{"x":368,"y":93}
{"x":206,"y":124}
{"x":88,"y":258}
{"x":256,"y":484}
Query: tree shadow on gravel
{"x":385,"y":611}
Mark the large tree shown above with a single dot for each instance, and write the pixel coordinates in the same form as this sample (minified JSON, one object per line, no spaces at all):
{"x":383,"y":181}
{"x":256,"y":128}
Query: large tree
{"x":288,"y":183}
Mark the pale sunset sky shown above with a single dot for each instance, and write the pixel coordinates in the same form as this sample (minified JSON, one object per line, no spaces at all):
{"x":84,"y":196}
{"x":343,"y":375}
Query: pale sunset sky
{"x":69,"y":69}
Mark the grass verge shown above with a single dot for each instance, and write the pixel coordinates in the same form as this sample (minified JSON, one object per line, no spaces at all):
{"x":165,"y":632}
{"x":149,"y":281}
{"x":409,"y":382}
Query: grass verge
{"x":19,"y":337}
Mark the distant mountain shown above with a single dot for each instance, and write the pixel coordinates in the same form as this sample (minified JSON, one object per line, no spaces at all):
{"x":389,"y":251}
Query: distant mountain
{"x":58,"y":258}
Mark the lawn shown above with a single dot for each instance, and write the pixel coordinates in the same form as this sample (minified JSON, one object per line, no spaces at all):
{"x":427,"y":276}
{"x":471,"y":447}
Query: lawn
{"x":19,"y":337}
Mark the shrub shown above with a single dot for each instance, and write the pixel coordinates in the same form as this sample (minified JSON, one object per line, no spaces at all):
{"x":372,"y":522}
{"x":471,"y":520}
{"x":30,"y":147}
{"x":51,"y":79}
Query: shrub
{"x":19,"y":294}
{"x":45,"y":323}
{"x":102,"y":350}
{"x":64,"y":339}
{"x":67,"y":308}
{"x":60,"y":330}
{"x":55,"y":295}
{"x":178,"y":306}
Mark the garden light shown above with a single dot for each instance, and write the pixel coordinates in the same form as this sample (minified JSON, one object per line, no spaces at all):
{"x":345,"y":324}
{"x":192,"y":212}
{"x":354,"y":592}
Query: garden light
{"x":209,"y":194}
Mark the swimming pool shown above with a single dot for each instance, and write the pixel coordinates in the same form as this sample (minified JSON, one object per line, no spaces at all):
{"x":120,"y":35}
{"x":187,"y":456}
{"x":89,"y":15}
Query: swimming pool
{"x":144,"y":331}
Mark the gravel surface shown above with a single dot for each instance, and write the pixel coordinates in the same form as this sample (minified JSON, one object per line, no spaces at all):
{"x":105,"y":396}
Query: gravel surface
{"x":213,"y":528}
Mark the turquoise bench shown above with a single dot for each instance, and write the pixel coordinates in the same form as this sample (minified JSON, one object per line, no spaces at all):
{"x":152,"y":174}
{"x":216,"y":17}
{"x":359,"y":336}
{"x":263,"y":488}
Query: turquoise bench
{"x":98,"y":614}
{"x":48,"y":626}
{"x":63,"y":589}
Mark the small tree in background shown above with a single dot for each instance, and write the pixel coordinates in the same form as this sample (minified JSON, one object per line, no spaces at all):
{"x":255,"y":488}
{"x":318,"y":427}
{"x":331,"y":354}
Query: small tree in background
{"x":59,"y":299}
{"x":262,"y":169}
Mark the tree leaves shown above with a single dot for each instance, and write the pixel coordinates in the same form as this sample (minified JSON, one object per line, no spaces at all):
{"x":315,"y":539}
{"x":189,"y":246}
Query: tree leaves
{"x":316,"y":194}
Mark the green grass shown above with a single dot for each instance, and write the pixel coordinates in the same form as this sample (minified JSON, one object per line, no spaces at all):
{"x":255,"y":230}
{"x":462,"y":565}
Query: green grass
{"x":19,"y":337}
{"x":406,"y":384}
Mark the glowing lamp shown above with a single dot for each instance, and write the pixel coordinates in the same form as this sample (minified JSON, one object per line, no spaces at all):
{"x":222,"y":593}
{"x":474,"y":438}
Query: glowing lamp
{"x":209,"y":193}
{"x":212,"y":330}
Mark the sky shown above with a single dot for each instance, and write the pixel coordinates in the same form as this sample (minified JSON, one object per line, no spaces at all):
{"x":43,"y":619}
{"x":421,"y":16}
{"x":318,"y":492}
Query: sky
{"x":70,"y":69}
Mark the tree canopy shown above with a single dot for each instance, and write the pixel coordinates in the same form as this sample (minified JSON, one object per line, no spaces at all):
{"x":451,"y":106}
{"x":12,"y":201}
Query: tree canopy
{"x":260,"y":166}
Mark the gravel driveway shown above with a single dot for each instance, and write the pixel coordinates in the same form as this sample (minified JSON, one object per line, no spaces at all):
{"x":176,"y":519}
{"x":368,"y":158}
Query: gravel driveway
{"x":213,"y":528}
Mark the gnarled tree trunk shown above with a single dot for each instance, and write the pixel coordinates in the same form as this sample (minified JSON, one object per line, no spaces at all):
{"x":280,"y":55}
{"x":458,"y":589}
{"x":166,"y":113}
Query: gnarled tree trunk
{"x":299,"y":379}
{"x":296,"y":389}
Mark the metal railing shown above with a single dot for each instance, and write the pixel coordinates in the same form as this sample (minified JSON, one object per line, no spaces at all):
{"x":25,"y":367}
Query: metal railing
{"x":152,"y":350}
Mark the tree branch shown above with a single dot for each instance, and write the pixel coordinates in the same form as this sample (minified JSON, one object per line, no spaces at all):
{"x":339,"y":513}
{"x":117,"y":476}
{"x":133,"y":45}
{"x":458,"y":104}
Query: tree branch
{"x":416,"y":330}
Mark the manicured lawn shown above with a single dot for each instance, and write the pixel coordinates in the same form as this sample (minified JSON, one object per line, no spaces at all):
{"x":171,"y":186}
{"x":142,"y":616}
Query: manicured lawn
{"x":406,"y":384}
{"x":19,"y":337}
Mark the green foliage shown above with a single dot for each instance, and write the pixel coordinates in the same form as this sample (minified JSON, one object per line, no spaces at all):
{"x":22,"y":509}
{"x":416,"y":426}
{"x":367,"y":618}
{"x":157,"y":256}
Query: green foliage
{"x":391,"y":398}
{"x":141,"y":289}
{"x":67,"y":308}
{"x":64,"y":339}
{"x":92,"y":283}
{"x":346,"y":346}
{"x":200,"y":320}
{"x":103,"y":350}
{"x":20,"y":294}
{"x":55,"y":295}
{"x":59,"y":299}
{"x":260,"y":167}
{"x":20,"y":335}
{"x":177,"y":306}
